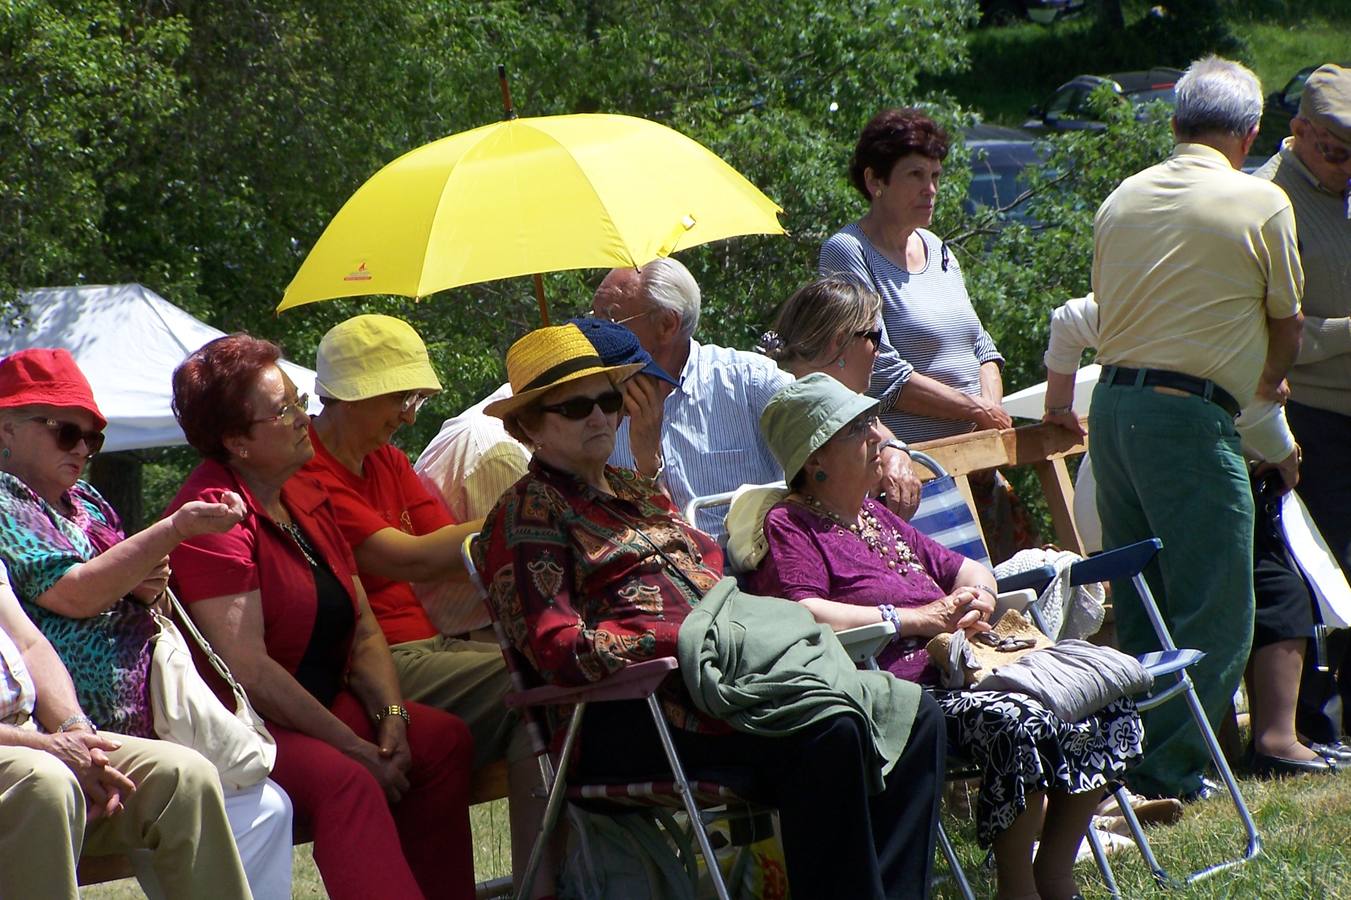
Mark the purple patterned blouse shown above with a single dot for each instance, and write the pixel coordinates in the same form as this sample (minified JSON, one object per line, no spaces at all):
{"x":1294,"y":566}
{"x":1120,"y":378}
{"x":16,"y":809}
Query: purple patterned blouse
{"x":812,"y":556}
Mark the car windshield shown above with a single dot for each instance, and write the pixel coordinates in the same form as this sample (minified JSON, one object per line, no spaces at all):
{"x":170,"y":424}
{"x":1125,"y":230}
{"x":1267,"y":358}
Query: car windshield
{"x":1140,"y":98}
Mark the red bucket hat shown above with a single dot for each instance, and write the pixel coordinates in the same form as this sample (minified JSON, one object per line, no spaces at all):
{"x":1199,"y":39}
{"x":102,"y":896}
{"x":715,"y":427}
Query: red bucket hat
{"x":49,"y":377}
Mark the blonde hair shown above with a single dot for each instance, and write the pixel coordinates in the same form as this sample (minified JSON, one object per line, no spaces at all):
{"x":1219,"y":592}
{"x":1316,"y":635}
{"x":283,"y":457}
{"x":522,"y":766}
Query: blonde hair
{"x":815,"y":323}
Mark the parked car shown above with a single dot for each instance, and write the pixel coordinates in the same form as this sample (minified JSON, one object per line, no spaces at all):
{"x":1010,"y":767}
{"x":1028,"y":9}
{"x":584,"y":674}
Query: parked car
{"x":1000,"y":157}
{"x":1002,"y":12}
{"x":1068,"y":108}
{"x":1281,"y":107}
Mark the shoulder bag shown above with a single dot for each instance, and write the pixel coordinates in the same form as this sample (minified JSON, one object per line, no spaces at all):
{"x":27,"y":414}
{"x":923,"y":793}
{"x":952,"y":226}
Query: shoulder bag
{"x":186,"y":711}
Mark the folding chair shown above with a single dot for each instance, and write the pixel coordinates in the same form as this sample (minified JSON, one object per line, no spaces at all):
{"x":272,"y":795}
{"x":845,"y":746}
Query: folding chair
{"x":1167,"y":666}
{"x":1168,"y":663}
{"x":638,"y":681}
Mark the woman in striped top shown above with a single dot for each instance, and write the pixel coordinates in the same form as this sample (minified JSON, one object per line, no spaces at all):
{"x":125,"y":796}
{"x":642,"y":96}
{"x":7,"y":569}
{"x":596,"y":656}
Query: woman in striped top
{"x":938,"y":371}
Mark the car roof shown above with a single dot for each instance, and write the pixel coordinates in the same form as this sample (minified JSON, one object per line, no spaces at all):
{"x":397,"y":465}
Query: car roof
{"x":988,"y":132}
{"x":1132,"y":82}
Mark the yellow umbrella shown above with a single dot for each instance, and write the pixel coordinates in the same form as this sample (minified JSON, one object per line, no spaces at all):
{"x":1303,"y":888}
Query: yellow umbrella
{"x":525,"y":196}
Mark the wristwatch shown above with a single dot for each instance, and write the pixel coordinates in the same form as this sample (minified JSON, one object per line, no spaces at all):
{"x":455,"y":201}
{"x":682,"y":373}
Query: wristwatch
{"x":393,"y":709}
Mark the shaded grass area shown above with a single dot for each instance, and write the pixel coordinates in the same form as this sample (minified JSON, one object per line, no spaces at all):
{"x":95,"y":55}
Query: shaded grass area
{"x":1016,"y":66}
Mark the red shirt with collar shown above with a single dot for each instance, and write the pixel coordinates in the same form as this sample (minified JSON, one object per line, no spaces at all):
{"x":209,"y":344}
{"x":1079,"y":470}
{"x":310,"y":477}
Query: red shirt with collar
{"x":388,"y":494}
{"x":256,"y":555}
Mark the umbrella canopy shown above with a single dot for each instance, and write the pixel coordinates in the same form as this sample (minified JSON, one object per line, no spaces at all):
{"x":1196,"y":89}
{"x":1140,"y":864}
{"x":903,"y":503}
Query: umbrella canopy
{"x":525,"y":196}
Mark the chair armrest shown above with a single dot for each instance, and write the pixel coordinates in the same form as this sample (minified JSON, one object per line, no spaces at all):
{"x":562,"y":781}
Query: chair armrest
{"x":1123,"y":562}
{"x":1034,"y":579}
{"x":633,"y":682}
{"x":866,"y":641}
{"x":1019,"y":600}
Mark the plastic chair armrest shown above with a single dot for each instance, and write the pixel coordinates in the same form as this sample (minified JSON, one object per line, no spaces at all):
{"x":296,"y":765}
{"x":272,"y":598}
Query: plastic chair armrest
{"x":866,"y":641}
{"x":633,"y":682}
{"x":1033,"y":579}
{"x":1123,"y":562}
{"x":1007,"y":600}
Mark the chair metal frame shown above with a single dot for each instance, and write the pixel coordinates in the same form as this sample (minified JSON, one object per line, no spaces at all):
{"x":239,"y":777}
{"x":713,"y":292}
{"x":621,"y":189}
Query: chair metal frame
{"x":1130,"y":562}
{"x":638,"y":681}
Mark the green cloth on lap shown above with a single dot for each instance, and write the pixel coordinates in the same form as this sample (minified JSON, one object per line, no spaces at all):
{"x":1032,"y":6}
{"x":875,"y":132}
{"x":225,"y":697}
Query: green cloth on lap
{"x":766,"y":667}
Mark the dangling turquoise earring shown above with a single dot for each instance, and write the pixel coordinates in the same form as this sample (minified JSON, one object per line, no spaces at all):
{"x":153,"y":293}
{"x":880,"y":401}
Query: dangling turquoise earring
{"x":5,"y":453}
{"x":820,"y":476}
{"x":841,"y":362}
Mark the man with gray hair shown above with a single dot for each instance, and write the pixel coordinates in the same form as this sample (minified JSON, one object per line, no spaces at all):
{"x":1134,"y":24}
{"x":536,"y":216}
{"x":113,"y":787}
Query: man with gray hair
{"x":702,"y":437}
{"x":1198,"y":281}
{"x":1313,"y":167}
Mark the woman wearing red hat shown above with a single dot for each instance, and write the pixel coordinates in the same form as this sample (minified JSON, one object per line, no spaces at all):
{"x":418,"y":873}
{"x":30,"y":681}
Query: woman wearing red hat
{"x":84,"y":583}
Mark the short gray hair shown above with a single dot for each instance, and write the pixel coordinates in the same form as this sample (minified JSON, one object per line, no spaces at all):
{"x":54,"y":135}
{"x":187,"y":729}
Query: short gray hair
{"x":1217,"y":95}
{"x":669,"y":285}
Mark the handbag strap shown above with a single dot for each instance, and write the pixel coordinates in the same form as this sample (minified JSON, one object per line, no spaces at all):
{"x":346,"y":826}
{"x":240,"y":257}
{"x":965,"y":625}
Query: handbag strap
{"x":191,"y":627}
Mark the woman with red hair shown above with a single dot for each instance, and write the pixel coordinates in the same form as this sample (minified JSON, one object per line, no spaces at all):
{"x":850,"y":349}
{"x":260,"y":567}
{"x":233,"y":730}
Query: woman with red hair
{"x":381,"y":783}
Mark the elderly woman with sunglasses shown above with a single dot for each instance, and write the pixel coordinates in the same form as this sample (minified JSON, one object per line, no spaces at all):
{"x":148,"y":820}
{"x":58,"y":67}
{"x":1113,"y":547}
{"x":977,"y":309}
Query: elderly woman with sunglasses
{"x":589,"y":568}
{"x":852,"y":562}
{"x":833,"y":326}
{"x":380,"y":782}
{"x":86,"y":585}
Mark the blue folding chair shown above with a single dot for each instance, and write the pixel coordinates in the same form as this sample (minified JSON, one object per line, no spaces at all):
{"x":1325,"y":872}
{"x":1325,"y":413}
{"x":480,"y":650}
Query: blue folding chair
{"x":954,"y":521}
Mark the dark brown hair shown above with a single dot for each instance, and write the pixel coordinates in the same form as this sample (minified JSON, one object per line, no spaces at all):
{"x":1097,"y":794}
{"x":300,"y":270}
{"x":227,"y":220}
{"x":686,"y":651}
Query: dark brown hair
{"x":211,"y":389}
{"x":890,"y":135}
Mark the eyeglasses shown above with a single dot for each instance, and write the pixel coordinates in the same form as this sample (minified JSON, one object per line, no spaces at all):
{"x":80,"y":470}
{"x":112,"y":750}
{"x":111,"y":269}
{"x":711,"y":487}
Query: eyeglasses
{"x":289,"y":412}
{"x":610,"y":316}
{"x":856,"y":428}
{"x":874,"y":335}
{"x":1333,"y":151}
{"x":413,"y":402}
{"x":578,"y":408}
{"x":68,"y":434}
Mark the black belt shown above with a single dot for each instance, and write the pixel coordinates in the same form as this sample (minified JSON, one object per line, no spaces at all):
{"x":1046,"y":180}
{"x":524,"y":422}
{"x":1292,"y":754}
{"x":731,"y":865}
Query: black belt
{"x":1201,"y":387}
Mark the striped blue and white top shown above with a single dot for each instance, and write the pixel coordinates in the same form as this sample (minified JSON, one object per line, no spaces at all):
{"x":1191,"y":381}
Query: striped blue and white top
{"x":710,"y":435}
{"x":928,"y":326}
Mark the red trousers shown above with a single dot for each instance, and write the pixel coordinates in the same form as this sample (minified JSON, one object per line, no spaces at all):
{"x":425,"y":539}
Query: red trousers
{"x":363,"y":847}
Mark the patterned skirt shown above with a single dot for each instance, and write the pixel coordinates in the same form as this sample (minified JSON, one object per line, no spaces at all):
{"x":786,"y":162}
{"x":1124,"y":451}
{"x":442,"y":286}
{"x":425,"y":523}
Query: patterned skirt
{"x":1021,"y":747}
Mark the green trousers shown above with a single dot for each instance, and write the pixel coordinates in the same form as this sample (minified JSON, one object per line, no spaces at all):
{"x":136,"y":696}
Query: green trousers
{"x":1169,"y":466}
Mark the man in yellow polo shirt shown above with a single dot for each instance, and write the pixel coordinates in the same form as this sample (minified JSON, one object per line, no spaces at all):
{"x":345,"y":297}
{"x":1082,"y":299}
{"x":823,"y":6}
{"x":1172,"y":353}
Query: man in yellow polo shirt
{"x":1198,"y":280}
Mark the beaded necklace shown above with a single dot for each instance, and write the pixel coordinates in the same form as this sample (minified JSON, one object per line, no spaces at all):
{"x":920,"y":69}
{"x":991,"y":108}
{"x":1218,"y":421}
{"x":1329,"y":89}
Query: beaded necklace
{"x":886,"y":543}
{"x":299,"y":537}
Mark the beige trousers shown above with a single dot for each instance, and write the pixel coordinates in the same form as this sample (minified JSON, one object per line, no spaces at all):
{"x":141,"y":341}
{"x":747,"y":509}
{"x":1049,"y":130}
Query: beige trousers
{"x":176,"y":812}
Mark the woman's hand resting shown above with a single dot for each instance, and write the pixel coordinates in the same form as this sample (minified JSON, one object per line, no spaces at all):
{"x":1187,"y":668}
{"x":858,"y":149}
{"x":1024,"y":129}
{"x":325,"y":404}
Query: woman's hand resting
{"x":199,"y":517}
{"x":966,"y":608}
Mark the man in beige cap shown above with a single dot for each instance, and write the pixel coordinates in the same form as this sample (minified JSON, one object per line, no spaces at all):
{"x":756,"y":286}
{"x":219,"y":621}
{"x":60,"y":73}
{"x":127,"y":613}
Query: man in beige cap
{"x":1313,"y":166}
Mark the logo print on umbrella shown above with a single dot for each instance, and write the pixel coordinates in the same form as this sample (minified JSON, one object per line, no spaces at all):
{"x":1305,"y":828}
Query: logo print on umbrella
{"x":359,"y":275}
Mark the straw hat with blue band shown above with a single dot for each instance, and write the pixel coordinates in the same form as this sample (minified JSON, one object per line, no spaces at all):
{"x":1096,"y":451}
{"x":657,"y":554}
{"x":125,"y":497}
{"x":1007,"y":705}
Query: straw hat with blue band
{"x":547,"y":358}
{"x":803,"y":415}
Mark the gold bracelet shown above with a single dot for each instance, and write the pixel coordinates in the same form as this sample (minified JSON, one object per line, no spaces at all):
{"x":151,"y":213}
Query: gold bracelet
{"x":393,"y":709}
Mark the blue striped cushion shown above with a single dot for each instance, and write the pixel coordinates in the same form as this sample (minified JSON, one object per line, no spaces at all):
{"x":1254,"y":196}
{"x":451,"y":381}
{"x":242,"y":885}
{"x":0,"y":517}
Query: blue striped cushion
{"x":944,"y":516}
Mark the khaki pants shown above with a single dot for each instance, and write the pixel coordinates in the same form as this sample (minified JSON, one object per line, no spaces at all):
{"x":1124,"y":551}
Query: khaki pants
{"x":470,"y":680}
{"x":176,"y":812}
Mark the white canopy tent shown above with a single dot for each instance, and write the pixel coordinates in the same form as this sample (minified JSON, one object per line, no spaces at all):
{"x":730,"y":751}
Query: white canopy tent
{"x":128,"y":340}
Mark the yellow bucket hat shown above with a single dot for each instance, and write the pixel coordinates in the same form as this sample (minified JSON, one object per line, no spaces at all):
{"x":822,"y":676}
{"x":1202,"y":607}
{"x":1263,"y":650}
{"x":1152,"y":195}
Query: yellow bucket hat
{"x":548,"y":357}
{"x":370,"y":355}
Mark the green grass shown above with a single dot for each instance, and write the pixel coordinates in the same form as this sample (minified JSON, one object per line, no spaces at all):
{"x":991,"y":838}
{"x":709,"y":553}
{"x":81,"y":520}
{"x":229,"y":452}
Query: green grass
{"x":1305,"y":826}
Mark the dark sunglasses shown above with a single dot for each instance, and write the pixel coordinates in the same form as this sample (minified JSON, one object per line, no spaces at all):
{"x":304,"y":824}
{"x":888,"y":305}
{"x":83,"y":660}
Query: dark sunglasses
{"x":580,"y":407}
{"x":874,"y":335}
{"x":68,"y":434}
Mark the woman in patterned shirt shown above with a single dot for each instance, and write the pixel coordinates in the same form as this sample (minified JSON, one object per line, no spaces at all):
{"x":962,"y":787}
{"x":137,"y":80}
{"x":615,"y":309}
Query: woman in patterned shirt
{"x":86,"y":585}
{"x":591,"y":569}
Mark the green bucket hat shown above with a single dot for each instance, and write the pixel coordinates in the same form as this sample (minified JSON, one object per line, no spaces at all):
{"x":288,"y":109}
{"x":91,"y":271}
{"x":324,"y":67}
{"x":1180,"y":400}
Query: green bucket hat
{"x":803,"y":415}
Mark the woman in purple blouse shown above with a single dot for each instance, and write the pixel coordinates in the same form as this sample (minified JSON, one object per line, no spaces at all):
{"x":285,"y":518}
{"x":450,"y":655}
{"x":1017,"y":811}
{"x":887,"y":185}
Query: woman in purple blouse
{"x":852,"y":562}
